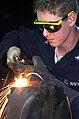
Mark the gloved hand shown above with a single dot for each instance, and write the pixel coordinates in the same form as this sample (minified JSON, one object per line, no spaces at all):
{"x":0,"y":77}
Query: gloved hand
{"x":13,"y":51}
{"x":39,"y":68}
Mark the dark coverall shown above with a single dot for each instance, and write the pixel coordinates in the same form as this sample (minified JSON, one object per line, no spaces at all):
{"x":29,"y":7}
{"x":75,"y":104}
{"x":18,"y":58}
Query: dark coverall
{"x":33,"y":43}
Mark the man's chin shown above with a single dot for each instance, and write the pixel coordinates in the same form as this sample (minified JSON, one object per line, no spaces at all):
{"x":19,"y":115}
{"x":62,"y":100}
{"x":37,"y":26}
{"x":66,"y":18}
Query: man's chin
{"x":53,"y":45}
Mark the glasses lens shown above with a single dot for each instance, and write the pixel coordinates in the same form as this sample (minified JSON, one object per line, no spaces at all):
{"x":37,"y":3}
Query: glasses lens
{"x":53,"y":28}
{"x":50,"y":28}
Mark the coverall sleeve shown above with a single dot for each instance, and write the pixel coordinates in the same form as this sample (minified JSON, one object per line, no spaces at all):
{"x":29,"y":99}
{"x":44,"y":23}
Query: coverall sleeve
{"x":23,"y":38}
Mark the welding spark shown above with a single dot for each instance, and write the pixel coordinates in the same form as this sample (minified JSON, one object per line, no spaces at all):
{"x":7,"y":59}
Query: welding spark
{"x":21,"y":81}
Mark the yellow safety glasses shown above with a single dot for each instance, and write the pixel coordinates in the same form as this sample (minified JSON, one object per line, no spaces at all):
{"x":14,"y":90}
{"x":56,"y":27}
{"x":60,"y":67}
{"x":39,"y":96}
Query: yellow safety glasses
{"x":51,"y":26}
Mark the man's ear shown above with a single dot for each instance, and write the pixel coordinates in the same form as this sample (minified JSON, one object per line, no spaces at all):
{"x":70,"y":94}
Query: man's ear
{"x":72,"y":18}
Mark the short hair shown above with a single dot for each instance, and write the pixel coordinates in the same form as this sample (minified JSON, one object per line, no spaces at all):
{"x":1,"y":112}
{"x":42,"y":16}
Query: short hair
{"x":59,"y":7}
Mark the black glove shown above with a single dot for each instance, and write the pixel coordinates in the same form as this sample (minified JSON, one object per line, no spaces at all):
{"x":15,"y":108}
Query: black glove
{"x":26,"y":103}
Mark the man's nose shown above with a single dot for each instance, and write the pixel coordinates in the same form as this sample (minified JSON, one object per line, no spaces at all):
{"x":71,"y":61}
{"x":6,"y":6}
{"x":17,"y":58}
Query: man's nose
{"x":45,"y":32}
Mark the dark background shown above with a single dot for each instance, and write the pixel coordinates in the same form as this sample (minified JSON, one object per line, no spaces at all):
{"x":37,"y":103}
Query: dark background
{"x":14,"y":13}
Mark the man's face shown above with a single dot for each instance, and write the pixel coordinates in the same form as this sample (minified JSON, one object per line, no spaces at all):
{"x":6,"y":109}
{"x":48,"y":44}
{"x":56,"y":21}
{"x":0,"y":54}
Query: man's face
{"x":60,"y":37}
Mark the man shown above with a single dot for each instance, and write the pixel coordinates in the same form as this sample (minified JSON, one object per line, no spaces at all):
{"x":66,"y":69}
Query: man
{"x":56,"y":40}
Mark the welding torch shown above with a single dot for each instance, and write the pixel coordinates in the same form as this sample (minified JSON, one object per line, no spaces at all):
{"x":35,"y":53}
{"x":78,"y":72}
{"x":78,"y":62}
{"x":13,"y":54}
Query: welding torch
{"x":20,"y":64}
